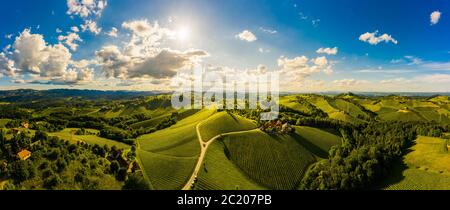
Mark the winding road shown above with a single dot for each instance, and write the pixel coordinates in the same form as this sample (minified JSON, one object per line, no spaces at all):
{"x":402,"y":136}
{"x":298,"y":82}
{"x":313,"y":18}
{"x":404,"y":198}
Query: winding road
{"x":204,"y":147}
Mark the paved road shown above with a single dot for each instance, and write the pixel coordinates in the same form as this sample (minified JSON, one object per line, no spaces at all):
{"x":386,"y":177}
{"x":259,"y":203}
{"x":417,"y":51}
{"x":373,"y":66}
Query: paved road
{"x":204,"y":147}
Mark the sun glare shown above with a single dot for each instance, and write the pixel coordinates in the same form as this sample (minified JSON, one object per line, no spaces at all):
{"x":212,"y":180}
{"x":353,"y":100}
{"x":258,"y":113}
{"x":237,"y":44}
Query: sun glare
{"x":183,"y":34}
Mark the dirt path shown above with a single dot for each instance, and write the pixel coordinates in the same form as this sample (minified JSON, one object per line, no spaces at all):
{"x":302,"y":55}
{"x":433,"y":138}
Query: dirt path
{"x":204,"y":147}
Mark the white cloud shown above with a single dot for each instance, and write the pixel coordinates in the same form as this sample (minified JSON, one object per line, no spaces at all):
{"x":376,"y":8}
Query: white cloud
{"x":143,"y":57}
{"x":413,"y":60}
{"x":349,"y":82}
{"x":247,"y":36}
{"x":438,"y":66}
{"x":373,"y":39}
{"x":86,"y":8}
{"x":395,"y":81}
{"x":58,"y":31}
{"x":6,"y":66}
{"x":75,"y":29}
{"x":163,"y":65}
{"x":434,"y":17}
{"x":91,"y":26}
{"x":9,"y":36}
{"x":70,"y":40}
{"x":299,"y":68}
{"x":321,"y":61}
{"x":44,"y":63}
{"x":435,"y":78}
{"x":315,"y":22}
{"x":328,"y":51}
{"x":386,"y":71}
{"x":262,"y":50}
{"x":113,"y":32}
{"x":269,"y":31}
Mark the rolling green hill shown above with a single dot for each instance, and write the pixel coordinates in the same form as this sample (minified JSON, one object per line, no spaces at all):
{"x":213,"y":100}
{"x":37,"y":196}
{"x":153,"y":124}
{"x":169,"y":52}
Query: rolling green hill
{"x":68,"y":135}
{"x":426,"y":167}
{"x":317,"y":141}
{"x":275,"y":162}
{"x":168,"y":156}
{"x":224,"y":122}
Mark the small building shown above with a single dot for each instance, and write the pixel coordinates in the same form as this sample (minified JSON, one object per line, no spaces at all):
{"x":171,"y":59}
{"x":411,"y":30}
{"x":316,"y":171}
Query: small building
{"x":26,"y":125}
{"x":24,"y":154}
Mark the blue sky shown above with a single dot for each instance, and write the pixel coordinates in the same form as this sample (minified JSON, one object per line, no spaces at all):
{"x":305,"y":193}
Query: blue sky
{"x":414,"y":54}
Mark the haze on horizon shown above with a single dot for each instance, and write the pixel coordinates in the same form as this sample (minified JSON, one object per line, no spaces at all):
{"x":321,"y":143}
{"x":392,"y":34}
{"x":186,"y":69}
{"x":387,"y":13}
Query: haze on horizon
{"x":317,"y":45}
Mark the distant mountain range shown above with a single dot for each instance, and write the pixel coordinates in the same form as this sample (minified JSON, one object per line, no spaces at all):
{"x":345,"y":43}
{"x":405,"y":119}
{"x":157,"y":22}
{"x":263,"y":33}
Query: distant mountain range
{"x":33,"y":95}
{"x":36,"y":95}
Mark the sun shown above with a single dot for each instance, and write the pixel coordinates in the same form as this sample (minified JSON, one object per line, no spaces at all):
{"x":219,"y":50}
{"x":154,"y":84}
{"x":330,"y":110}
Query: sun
{"x":183,"y":34}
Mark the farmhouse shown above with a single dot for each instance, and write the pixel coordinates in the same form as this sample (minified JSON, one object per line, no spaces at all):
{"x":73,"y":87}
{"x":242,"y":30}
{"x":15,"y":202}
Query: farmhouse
{"x":24,"y":154}
{"x":26,"y":125}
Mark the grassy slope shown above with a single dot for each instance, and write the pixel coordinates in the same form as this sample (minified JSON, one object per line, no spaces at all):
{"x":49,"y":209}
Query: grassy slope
{"x":66,"y":134}
{"x":224,"y":122}
{"x":275,"y":162}
{"x":291,"y":102}
{"x":317,"y":141}
{"x":168,"y":156}
{"x":220,"y":173}
{"x":426,"y":167}
{"x":166,"y":172}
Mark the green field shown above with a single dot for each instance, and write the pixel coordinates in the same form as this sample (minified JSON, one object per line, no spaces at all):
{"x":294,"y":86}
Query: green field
{"x":68,"y":135}
{"x":317,"y":141}
{"x":168,"y":156}
{"x":426,"y":167}
{"x":166,"y":172}
{"x":3,"y":122}
{"x":220,"y":173}
{"x":274,"y":162}
{"x":224,"y":122}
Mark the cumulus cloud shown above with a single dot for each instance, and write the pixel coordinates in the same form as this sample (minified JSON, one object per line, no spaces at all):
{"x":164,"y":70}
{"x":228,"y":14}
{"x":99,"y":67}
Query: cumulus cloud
{"x":88,"y":11}
{"x":6,"y":66}
{"x":70,"y":40}
{"x":301,"y":67}
{"x":434,"y":17}
{"x":142,"y":56}
{"x":32,"y":56}
{"x":113,"y":32}
{"x":86,"y":8}
{"x":328,"y":51}
{"x":247,"y":36}
{"x":91,"y":26}
{"x":373,"y":39}
{"x":165,"y":64}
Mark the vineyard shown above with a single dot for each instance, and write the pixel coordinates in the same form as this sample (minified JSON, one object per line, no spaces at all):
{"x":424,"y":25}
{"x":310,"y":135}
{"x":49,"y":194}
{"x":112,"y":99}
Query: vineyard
{"x":166,"y":172}
{"x":224,"y":122}
{"x":220,"y":173}
{"x":275,"y":162}
{"x":426,"y":167}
